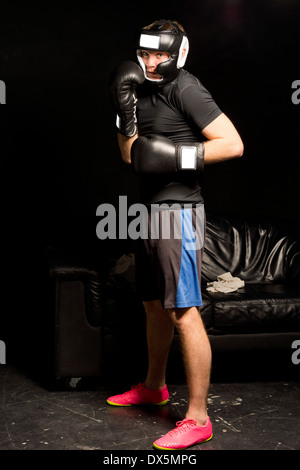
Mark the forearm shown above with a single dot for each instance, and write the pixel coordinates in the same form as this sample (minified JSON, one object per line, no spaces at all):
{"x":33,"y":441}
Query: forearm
{"x":222,"y":149}
{"x":125,"y":144}
{"x":223,"y":141}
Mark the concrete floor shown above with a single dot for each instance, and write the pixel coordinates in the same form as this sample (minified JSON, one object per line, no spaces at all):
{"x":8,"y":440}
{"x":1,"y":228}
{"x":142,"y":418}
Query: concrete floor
{"x":245,"y":416}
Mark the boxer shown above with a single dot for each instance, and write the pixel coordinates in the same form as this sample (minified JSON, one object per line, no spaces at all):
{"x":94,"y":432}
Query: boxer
{"x":169,"y":127}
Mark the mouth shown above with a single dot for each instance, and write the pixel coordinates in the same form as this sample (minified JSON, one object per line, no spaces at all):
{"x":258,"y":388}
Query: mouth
{"x":153,"y":75}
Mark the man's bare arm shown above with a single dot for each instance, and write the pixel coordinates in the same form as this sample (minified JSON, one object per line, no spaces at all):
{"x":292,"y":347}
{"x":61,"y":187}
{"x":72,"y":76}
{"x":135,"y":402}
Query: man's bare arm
{"x":223,"y":141}
{"x":125,"y":144}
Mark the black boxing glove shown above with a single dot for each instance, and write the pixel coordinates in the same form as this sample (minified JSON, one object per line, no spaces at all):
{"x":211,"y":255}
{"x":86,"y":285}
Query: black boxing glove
{"x":154,"y":154}
{"x":123,"y":83}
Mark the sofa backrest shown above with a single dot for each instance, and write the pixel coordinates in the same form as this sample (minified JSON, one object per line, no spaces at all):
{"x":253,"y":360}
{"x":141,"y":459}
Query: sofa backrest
{"x":257,"y":252}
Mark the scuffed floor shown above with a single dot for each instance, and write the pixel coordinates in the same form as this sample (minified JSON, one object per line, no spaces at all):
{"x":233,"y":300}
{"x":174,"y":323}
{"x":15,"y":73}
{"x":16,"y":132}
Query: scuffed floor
{"x":245,"y":416}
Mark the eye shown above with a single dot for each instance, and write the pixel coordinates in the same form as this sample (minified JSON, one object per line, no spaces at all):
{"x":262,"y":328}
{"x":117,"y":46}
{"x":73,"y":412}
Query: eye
{"x":163,"y":55}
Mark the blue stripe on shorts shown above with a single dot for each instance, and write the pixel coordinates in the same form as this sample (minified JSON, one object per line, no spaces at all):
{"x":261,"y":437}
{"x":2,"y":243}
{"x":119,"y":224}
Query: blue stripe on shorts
{"x":188,"y":289}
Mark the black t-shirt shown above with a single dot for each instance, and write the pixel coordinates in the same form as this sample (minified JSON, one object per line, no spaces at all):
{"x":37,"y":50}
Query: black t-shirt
{"x":179,"y":110}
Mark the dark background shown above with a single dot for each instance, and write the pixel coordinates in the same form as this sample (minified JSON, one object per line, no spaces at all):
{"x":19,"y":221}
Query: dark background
{"x":59,"y":156}
{"x":58,"y":148}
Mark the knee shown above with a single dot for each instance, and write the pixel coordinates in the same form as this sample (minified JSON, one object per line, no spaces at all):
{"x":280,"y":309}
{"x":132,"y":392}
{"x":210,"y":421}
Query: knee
{"x":185,"y":318}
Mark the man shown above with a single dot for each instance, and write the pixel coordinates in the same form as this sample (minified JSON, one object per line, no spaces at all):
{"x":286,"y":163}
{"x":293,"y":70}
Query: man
{"x":169,"y":132}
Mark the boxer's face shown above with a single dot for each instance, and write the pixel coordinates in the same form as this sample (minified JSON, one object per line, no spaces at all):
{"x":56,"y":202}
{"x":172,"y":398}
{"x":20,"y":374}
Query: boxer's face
{"x":151,"y":60}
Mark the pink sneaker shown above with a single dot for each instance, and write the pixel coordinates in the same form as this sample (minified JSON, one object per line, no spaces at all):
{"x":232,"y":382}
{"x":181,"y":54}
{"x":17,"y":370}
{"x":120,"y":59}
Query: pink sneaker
{"x":140,"y":395}
{"x":187,"y":433}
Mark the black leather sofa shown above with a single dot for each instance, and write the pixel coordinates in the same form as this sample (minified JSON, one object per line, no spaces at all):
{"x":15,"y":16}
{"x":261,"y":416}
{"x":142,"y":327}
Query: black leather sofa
{"x":98,"y":321}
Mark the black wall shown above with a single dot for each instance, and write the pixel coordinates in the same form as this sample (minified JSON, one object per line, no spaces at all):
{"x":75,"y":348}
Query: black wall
{"x":59,"y":157}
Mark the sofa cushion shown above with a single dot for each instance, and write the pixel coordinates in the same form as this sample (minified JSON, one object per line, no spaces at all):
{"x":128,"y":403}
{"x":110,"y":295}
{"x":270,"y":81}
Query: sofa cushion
{"x":255,"y":307}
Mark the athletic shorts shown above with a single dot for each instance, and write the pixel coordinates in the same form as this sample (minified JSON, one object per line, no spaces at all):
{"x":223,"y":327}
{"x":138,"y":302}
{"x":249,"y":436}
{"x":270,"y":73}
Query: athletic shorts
{"x":168,"y":257}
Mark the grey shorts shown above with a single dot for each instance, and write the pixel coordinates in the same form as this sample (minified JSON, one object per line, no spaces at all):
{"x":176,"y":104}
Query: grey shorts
{"x":168,"y":260}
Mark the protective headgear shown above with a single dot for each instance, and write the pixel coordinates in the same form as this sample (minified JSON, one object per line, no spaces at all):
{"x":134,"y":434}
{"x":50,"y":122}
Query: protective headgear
{"x":173,"y":41}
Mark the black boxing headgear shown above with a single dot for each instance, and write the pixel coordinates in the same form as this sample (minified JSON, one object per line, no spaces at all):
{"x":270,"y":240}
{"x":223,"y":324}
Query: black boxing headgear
{"x":164,"y":36}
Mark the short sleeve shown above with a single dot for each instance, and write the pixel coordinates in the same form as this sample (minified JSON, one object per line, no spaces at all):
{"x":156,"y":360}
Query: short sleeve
{"x":198,"y":105}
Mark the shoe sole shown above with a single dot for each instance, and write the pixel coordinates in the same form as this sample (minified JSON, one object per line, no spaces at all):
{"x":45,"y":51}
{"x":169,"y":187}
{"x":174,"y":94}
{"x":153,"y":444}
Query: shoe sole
{"x":181,"y":448}
{"x":133,"y":404}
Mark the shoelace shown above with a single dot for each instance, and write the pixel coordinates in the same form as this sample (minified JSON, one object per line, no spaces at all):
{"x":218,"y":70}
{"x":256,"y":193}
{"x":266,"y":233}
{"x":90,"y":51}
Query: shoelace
{"x":181,"y":426}
{"x":137,"y":387}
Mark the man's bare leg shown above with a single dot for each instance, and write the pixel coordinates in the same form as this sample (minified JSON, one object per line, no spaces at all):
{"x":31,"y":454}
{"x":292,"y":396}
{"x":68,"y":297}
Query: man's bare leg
{"x":196,"y":352}
{"x":159,"y":329}
{"x":195,"y":349}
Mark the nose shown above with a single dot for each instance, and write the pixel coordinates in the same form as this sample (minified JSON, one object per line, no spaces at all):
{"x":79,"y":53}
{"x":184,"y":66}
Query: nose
{"x":151,"y":62}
